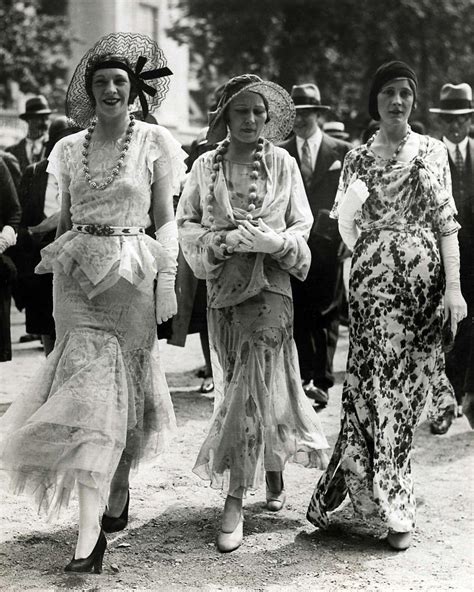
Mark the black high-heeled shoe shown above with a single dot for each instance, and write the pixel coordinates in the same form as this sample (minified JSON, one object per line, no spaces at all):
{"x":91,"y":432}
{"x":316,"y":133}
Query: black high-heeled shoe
{"x":93,"y":563}
{"x":115,"y":524}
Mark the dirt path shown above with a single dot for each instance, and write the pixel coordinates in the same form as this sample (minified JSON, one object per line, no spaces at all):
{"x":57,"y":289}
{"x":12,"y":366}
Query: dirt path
{"x":169,"y":545}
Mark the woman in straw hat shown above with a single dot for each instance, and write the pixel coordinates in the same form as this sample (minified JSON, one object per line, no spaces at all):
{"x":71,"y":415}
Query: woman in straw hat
{"x":397,"y":214}
{"x":101,"y":402}
{"x":243,"y":220}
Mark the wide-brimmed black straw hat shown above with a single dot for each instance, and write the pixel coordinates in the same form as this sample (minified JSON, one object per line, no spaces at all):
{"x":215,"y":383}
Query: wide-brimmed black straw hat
{"x":135,"y":53}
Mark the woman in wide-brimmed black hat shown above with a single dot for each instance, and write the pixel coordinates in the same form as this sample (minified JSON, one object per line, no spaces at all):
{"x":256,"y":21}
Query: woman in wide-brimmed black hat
{"x":101,"y":402}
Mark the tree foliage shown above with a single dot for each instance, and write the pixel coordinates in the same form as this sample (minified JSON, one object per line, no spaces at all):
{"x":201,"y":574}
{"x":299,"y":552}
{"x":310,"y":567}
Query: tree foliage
{"x":34,"y":49}
{"x":336,"y":43}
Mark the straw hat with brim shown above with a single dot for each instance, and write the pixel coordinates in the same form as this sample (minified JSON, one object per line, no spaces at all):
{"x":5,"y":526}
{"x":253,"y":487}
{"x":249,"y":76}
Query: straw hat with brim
{"x":35,"y":106}
{"x":335,"y":129}
{"x":455,"y":99}
{"x":147,"y":71}
{"x":307,"y":96}
{"x":281,"y":110}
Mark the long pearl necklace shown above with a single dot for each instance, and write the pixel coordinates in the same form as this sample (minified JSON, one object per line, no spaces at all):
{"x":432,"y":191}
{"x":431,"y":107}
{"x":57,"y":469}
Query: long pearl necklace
{"x":393,"y":159}
{"x":110,"y":175}
{"x":217,"y":163}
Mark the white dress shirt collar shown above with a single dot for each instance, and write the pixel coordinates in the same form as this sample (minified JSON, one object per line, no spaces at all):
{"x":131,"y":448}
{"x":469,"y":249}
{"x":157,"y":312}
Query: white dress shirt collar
{"x":452,"y":148}
{"x":35,"y":147}
{"x":314,"y":143}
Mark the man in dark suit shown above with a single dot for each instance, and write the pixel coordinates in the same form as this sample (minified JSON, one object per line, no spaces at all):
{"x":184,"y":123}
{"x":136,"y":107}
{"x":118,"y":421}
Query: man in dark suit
{"x":13,"y":166}
{"x":41,"y":204}
{"x":455,"y":113}
{"x":29,"y":150}
{"x":32,"y":148}
{"x":10,"y":213}
{"x":317,"y":300}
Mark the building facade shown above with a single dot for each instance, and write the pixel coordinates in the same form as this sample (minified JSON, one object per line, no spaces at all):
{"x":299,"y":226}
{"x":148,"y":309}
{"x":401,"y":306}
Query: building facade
{"x":91,"y":19}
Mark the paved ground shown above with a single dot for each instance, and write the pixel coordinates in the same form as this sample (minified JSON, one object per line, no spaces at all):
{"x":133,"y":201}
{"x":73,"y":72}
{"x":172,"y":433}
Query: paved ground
{"x":169,"y":545}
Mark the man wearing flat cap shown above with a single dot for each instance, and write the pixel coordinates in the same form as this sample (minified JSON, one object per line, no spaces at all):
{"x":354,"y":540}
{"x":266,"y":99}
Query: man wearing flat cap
{"x":317,"y":300}
{"x":32,"y":148}
{"x":455,"y":113}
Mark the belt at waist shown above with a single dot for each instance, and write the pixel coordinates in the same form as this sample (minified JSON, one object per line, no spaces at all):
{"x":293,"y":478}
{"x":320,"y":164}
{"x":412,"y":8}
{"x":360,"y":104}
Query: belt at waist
{"x":106,"y":230}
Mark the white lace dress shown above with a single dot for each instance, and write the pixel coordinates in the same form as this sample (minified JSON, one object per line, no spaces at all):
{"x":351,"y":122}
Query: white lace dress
{"x":101,"y":395}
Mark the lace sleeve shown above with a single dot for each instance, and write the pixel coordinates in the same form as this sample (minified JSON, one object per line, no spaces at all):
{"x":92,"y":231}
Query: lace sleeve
{"x":165,"y":157}
{"x":58,"y":165}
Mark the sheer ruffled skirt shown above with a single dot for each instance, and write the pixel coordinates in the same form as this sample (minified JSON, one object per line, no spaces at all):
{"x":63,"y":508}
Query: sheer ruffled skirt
{"x":262,"y":417}
{"x":100,"y":394}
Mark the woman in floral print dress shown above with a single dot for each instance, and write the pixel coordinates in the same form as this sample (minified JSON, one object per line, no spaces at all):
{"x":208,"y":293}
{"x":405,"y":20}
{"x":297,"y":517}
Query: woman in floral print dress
{"x":396,"y":212}
{"x":243,"y":222}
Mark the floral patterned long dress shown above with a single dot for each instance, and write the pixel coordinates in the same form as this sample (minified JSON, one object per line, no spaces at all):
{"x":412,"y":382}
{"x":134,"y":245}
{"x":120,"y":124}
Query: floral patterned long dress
{"x":395,"y":308}
{"x":262,"y":417}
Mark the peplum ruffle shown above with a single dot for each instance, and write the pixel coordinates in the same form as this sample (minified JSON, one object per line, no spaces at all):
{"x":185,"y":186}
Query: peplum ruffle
{"x":97,"y":262}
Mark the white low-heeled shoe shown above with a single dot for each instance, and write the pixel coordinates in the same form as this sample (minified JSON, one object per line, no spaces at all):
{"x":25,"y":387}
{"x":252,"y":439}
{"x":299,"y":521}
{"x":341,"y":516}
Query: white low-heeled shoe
{"x":229,"y":541}
{"x":400,"y":541}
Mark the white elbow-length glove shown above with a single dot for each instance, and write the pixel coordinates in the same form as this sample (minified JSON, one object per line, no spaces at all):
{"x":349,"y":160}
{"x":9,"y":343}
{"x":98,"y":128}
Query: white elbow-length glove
{"x":354,"y":198}
{"x":165,"y":295}
{"x":455,"y":306}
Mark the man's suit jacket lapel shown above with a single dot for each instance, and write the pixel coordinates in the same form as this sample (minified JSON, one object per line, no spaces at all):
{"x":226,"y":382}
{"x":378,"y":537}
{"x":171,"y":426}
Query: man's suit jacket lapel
{"x":293,"y":150}
{"x":470,"y":148}
{"x":41,"y":181}
{"x":22,"y":154}
{"x":324,"y":160}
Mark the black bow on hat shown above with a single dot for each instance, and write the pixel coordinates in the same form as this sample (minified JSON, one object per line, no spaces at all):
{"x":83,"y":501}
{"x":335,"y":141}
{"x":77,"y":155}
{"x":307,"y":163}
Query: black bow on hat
{"x":139,"y":77}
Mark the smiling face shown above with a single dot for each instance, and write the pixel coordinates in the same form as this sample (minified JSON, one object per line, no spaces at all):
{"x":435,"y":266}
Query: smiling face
{"x":395,"y":101}
{"x":306,"y":122}
{"x":111,"y":90}
{"x":246,"y":116}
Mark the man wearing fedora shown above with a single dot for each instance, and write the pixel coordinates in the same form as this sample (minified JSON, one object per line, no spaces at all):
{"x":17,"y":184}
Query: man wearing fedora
{"x":317,"y":300}
{"x":455,"y":113}
{"x":32,"y":148}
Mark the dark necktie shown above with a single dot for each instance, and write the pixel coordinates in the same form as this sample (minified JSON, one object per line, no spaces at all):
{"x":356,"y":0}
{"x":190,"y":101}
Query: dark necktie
{"x":36,"y":151}
{"x":459,"y":162}
{"x":306,"y":166}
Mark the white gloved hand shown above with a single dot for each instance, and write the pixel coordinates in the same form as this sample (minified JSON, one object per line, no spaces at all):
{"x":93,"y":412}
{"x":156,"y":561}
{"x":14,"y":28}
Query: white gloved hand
{"x":354,"y":198}
{"x":259,"y":239}
{"x":351,"y":203}
{"x":8,"y":237}
{"x":3,"y":245}
{"x":233,"y":238}
{"x":165,"y":297}
{"x":455,"y":307}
